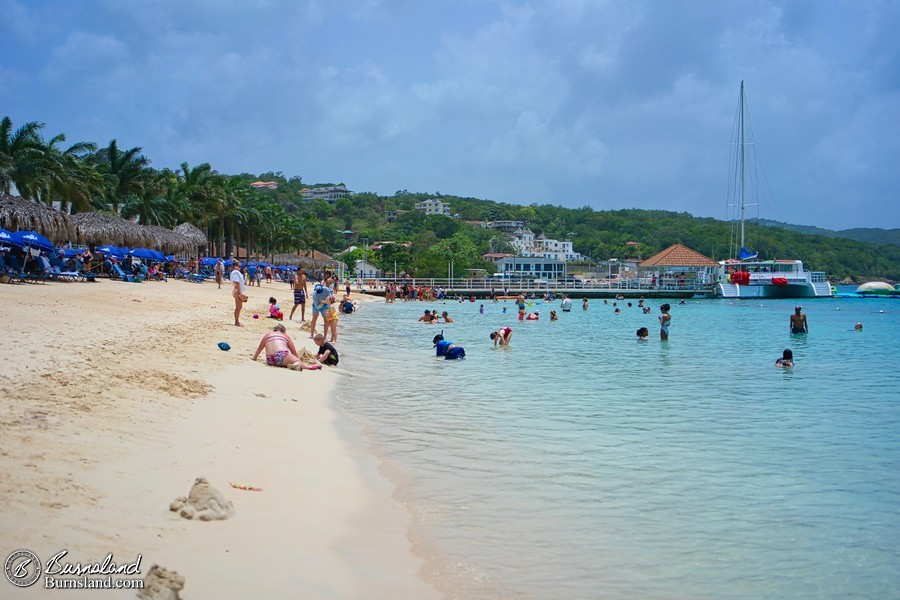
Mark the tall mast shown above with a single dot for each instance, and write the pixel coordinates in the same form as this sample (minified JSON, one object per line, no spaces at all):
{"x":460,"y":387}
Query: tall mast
{"x":742,"y":163}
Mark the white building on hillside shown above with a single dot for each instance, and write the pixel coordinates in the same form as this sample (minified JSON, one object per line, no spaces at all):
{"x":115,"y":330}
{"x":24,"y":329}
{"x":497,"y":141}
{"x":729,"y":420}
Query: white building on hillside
{"x":433,"y":206}
{"x":329,"y":194}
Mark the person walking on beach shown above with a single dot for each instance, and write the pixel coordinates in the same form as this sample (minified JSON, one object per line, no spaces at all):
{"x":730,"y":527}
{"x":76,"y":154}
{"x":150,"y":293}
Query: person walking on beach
{"x":237,"y":283}
{"x":665,"y":319}
{"x":280,"y":350}
{"x":502,"y":336}
{"x":299,"y":294}
{"x":798,"y":321}
{"x":321,"y":299}
{"x":219,"y":270}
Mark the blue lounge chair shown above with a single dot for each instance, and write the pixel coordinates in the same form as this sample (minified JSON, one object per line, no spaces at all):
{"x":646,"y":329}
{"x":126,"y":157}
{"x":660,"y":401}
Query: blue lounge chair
{"x":9,"y":266}
{"x":124,"y":276}
{"x":54,"y":272}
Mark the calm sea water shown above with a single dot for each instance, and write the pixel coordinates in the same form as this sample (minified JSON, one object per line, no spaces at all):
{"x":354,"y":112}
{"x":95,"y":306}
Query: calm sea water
{"x":581,"y":463}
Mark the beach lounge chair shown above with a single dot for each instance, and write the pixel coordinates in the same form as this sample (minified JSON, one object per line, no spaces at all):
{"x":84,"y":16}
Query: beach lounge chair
{"x":124,"y":276}
{"x":85,"y":275}
{"x":8,"y":270}
{"x":54,"y":271}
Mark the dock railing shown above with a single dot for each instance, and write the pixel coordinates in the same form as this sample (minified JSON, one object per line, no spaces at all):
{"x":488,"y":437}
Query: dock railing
{"x":501,"y":287}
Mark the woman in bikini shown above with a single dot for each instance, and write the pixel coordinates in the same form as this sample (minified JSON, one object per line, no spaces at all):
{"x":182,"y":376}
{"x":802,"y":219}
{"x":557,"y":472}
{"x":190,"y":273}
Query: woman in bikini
{"x":280,"y":351}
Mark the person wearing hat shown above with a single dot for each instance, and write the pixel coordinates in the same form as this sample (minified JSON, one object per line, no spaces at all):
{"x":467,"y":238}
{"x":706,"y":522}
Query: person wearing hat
{"x":798,"y":321}
{"x":321,"y":300}
{"x":447,"y":349}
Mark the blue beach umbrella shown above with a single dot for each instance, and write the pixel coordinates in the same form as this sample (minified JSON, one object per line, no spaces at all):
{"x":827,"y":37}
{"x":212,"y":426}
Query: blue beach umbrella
{"x":67,"y":252}
{"x":33,"y":239}
{"x":142,"y":253}
{"x":8,"y":237}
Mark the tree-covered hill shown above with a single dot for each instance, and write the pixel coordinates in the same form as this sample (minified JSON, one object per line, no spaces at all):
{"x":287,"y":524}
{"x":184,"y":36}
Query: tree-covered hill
{"x":869,"y":235}
{"x":238,"y":217}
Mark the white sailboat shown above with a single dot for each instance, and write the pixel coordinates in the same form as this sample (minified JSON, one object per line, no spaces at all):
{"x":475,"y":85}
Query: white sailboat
{"x":749,"y":276}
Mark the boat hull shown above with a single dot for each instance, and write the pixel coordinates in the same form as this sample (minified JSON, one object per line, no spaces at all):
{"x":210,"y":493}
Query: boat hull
{"x":793,"y":290}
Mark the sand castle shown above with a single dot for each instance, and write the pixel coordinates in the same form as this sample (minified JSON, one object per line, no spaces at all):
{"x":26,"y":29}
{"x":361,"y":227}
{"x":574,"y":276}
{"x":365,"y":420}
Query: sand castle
{"x":203,"y":502}
{"x":161,"y":584}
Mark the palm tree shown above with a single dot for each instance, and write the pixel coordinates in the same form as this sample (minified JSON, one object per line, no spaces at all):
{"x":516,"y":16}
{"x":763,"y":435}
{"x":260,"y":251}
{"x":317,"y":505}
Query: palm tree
{"x":20,"y":156}
{"x":155,"y":205}
{"x":123,"y":170}
{"x":68,"y":177}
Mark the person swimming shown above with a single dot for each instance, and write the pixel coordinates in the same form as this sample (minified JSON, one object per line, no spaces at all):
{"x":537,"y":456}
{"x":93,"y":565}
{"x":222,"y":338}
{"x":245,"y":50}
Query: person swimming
{"x":786,"y":360}
{"x":447,"y":349}
{"x":553,"y":316}
{"x":642,"y":334}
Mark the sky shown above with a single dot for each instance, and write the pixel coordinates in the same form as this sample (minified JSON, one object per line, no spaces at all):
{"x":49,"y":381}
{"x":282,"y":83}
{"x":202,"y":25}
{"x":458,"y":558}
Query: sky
{"x":607,"y":104}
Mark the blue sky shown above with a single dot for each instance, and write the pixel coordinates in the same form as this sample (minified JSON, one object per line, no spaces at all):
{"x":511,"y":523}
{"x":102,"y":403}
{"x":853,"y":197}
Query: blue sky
{"x":571,"y":102}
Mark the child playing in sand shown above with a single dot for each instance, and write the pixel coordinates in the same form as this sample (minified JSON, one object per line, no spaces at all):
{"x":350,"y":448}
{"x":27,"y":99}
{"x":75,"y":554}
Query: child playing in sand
{"x":275,"y":310}
{"x":327,"y":354}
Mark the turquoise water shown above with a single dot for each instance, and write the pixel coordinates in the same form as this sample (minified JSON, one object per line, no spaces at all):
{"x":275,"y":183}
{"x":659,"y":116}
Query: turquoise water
{"x":581,"y":463}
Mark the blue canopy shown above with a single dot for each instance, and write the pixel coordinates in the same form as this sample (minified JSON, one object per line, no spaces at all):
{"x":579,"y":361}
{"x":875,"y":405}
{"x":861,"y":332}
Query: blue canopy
{"x":112,"y":250}
{"x":148,"y":253}
{"x":67,"y":252}
{"x":208,"y":261}
{"x":747,"y":254}
{"x":33,"y":239}
{"x":8,"y":237}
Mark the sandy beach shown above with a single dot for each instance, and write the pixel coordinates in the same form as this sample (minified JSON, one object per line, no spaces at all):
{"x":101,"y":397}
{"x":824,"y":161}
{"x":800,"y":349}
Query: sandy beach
{"x":116,"y":397}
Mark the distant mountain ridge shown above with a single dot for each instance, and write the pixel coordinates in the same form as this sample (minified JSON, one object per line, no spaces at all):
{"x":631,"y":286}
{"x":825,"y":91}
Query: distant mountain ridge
{"x":867,"y":235}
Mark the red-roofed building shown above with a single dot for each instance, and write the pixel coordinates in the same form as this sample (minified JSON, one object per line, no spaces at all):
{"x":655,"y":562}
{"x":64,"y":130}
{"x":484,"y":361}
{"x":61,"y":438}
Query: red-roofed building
{"x":678,"y":267}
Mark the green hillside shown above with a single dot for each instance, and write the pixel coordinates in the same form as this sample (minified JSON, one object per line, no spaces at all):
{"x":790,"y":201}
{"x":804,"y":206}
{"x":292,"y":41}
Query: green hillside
{"x":85,"y":176}
{"x":868,"y":235}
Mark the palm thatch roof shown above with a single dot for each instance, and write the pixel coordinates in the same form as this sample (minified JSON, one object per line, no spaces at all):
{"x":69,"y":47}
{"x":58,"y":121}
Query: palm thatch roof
{"x":17,"y":213}
{"x":170,"y":241}
{"x":321,"y":261}
{"x":191,"y":233}
{"x":103,"y":228}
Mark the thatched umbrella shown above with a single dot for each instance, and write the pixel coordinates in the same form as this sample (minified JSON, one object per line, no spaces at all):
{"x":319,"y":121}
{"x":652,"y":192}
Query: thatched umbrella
{"x":102,"y":228}
{"x":17,"y":213}
{"x":192,"y":233}
{"x":306,"y":262}
{"x":170,"y":241}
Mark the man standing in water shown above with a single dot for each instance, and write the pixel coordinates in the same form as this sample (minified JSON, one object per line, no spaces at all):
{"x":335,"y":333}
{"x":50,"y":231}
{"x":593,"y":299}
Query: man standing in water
{"x":299,"y":294}
{"x":798,"y":321}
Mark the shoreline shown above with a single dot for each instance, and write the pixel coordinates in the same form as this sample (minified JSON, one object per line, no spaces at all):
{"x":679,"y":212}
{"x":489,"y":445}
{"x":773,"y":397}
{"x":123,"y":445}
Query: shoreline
{"x":136,"y":401}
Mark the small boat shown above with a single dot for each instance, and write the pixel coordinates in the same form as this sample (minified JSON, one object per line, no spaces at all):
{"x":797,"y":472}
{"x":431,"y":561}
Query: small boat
{"x":748,"y":276}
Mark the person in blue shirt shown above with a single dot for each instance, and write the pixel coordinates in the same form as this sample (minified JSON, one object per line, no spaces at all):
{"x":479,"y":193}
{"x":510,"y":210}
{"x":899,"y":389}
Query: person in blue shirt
{"x":447,"y":349}
{"x":251,"y":270}
{"x":321,"y":301}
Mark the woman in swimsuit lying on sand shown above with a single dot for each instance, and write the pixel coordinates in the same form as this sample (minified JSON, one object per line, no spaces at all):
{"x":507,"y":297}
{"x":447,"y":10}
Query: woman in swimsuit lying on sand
{"x":281,"y":352}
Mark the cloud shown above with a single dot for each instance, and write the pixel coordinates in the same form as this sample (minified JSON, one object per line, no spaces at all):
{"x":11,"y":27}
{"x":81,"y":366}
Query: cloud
{"x":572,"y":102}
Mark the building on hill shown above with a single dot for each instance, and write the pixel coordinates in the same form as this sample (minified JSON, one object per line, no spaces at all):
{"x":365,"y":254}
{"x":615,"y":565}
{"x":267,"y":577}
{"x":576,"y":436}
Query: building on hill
{"x":505,"y":226}
{"x":433,"y":206}
{"x":264,"y":185}
{"x":329,"y":194}
{"x":392,"y":215}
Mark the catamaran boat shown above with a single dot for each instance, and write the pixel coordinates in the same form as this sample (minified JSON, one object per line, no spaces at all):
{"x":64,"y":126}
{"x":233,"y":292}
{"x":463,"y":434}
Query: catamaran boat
{"x":770,"y":279}
{"x":748,"y":276}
